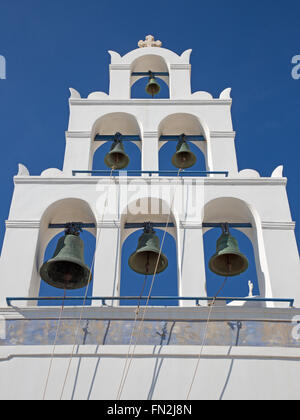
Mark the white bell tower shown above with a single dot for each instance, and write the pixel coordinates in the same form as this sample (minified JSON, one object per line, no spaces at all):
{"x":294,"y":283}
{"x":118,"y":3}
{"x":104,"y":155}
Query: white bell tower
{"x":258,"y":206}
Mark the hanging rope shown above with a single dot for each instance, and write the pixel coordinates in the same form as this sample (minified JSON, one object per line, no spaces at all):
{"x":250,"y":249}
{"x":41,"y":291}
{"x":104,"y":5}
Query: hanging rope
{"x":205,"y":334}
{"x":85,"y":296}
{"x":126,"y":368}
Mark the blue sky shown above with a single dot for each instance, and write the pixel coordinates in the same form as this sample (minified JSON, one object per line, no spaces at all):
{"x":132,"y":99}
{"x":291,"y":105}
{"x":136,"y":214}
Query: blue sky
{"x":51,"y":46}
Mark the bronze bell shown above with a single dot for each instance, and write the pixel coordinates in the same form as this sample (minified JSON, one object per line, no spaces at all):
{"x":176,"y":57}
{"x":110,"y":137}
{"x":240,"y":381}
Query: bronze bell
{"x":144,"y":259}
{"x":228,"y":261}
{"x":66,"y":269}
{"x":152,"y":87}
{"x":117,"y":158}
{"x":183,"y":158}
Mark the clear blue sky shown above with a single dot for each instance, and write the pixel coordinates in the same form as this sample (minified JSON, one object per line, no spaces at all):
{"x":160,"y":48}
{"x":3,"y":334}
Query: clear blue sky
{"x":51,"y":46}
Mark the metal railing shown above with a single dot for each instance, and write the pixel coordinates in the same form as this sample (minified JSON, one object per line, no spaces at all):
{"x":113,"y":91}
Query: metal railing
{"x":103,"y":299}
{"x":134,"y":172}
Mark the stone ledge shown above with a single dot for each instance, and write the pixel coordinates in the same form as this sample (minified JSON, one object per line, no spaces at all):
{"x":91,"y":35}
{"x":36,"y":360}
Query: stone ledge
{"x":208,"y":352}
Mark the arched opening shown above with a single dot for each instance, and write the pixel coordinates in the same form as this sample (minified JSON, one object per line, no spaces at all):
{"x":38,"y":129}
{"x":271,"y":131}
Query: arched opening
{"x":131,"y":149}
{"x":47,"y":290}
{"x":52,"y":227}
{"x":167,"y":151}
{"x":134,"y":215}
{"x":144,"y":64}
{"x":135,"y":284}
{"x":236,"y":286}
{"x":109,"y":125}
{"x":176,"y":125}
{"x":138,"y":90}
{"x":235,"y":211}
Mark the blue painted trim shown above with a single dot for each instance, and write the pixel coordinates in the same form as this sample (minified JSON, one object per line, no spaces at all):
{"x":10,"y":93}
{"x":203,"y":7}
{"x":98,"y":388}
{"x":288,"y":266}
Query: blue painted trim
{"x":64,"y":225}
{"x":177,"y":138}
{"x":232,"y":225}
{"x":141,"y":225}
{"x":124,"y":137}
{"x":157,"y":225}
{"x":146,"y":74}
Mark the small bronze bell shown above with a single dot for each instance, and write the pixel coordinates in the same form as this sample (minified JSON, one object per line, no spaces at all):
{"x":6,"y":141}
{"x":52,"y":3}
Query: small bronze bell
{"x":66,"y":269}
{"x":152,"y":87}
{"x":117,"y":158}
{"x":228,"y":261}
{"x":144,"y":259}
{"x":183,"y":158}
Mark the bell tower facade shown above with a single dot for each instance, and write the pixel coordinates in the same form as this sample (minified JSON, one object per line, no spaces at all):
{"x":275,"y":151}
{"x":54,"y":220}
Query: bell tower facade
{"x":221,"y":195}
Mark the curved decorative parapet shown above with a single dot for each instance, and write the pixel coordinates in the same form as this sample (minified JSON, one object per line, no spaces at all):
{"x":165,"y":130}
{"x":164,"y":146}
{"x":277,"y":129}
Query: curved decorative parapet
{"x":98,"y":95}
{"x":23,"y":171}
{"x":249,"y":173}
{"x":52,"y":172}
{"x":225,"y":94}
{"x":278,"y":172}
{"x":201,"y":95}
{"x":74,"y":94}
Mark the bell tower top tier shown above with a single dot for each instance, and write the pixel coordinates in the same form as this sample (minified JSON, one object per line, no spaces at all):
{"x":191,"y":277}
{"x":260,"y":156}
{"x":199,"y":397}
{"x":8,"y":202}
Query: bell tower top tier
{"x":173,"y":69}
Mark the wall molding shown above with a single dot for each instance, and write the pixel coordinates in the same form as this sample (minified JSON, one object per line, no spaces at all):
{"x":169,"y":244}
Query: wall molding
{"x":147,"y":102}
{"x":223,"y":134}
{"x":279,"y":225}
{"x":22,"y":224}
{"x":83,"y":180}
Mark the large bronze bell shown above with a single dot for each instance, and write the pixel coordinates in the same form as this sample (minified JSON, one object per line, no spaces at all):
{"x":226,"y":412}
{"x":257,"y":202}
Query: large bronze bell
{"x":183,"y":158}
{"x":228,"y":261}
{"x":152,"y":87}
{"x":144,"y":259}
{"x":66,"y":269}
{"x":117,"y":158}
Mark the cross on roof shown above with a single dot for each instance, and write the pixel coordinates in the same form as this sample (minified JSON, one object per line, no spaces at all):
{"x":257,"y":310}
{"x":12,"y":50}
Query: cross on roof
{"x":149,"y":42}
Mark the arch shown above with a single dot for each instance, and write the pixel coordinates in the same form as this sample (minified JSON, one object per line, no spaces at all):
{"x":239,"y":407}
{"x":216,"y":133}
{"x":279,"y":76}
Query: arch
{"x":131,"y":148}
{"x":46,"y":290}
{"x":149,"y":62}
{"x":145,"y":209}
{"x":134,"y":284}
{"x":111,"y":123}
{"x":60,"y":212}
{"x":138,"y":89}
{"x":234,"y":210}
{"x":167,"y":150}
{"x":235,"y":286}
{"x":189,"y":124}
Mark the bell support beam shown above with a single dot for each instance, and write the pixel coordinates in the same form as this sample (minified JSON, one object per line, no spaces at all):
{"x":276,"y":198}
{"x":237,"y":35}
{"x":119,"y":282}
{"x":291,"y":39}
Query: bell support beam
{"x":177,"y":138}
{"x":157,"y":225}
{"x":123,"y":137}
{"x":153,"y":73}
{"x":65,"y":225}
{"x":204,"y":225}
